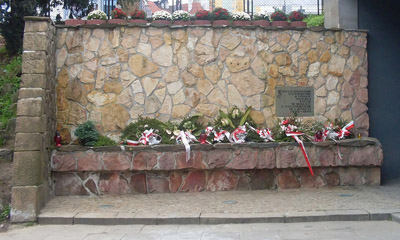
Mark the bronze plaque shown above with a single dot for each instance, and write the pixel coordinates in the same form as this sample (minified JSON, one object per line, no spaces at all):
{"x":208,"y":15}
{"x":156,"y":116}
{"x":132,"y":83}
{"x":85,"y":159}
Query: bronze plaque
{"x":294,"y":101}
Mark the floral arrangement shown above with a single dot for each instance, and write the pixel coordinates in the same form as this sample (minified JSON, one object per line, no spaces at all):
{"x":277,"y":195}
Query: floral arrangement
{"x":117,"y":13}
{"x":202,"y":15}
{"x":162,"y":15}
{"x":278,"y":15}
{"x":181,"y":15}
{"x":138,"y":14}
{"x":261,"y":16}
{"x":296,"y":16}
{"x":240,"y":16}
{"x":220,"y":14}
{"x":97,"y":14}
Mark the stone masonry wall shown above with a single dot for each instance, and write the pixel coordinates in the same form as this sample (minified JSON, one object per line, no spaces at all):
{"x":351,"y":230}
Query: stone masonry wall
{"x":36,"y":121}
{"x":220,"y":167}
{"x":114,"y":75}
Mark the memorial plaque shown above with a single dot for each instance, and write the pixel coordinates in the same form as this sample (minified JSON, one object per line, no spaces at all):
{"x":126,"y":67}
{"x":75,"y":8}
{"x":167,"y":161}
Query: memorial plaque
{"x":294,"y":101}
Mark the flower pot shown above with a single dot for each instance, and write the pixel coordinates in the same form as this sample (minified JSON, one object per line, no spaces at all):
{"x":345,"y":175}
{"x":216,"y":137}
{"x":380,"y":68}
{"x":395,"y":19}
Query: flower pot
{"x":95,"y":22}
{"x":241,"y":23}
{"x":74,"y":22}
{"x":221,"y":23}
{"x":298,"y":24}
{"x":262,"y":23}
{"x":117,"y":21}
{"x":161,"y":22}
{"x":183,"y":23}
{"x":280,"y":24}
{"x":201,"y":22}
{"x":138,"y":21}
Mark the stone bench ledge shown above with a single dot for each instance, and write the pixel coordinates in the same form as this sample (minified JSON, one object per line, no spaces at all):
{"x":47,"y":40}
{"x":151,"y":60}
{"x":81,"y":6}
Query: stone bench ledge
{"x":355,"y":152}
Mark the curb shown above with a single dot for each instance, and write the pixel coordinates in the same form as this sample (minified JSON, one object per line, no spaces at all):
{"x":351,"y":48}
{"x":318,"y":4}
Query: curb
{"x":218,"y":218}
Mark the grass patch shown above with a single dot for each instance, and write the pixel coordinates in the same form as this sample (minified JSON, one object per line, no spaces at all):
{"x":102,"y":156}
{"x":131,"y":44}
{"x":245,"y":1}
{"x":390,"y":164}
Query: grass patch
{"x":5,"y":213}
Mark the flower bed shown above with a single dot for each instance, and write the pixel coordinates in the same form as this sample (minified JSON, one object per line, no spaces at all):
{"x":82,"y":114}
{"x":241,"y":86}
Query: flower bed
{"x":163,"y":168}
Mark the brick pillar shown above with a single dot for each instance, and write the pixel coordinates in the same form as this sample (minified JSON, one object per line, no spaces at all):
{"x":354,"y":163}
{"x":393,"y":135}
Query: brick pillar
{"x":35,"y":123}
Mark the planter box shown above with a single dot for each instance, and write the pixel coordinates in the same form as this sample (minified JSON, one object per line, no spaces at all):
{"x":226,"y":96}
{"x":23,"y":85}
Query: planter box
{"x":262,"y":23}
{"x":221,"y":23}
{"x":217,"y":167}
{"x":117,"y":21}
{"x":201,"y":22}
{"x":138,"y":21}
{"x":74,"y":22}
{"x":241,"y":23}
{"x":298,"y":24}
{"x":183,"y":23}
{"x":280,"y":24}
{"x":95,"y":22}
{"x":161,"y":22}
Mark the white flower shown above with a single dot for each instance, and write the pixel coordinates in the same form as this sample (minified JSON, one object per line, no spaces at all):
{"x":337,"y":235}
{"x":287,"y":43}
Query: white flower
{"x":261,"y":16}
{"x":240,"y":16}
{"x":97,"y":14}
{"x":162,"y":15}
{"x":180,"y":15}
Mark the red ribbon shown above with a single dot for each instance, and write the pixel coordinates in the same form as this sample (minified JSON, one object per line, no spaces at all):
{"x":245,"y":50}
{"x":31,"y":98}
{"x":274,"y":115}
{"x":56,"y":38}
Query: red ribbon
{"x":295,"y":136}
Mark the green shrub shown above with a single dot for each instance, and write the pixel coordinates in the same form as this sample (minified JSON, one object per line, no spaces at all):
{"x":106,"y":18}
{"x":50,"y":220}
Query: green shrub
{"x":314,"y":20}
{"x":87,"y":134}
{"x":5,"y":213}
{"x":105,"y":141}
{"x":9,"y":84}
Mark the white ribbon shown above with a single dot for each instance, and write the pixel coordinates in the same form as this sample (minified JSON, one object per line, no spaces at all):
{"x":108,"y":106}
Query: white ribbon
{"x":186,"y":144}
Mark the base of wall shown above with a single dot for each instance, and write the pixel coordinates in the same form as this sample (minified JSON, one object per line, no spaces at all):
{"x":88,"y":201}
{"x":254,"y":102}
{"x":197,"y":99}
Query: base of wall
{"x":88,"y":183}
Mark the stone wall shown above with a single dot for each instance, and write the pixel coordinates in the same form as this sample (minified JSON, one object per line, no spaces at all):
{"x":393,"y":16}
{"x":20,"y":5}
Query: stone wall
{"x":36,"y":121}
{"x":219,"y":167}
{"x":114,"y":75}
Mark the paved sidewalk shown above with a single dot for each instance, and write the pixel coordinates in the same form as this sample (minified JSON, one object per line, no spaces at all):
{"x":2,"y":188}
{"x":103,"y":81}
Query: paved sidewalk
{"x":300,"y":205}
{"x":320,"y":230}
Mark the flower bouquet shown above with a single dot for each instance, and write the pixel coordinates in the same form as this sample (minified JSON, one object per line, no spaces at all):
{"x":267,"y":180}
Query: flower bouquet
{"x":279,"y":19}
{"x":96,"y":17}
{"x":202,"y":18}
{"x":138,"y":17}
{"x":261,"y":19}
{"x":118,"y":16}
{"x":241,"y":19}
{"x":296,"y":19}
{"x":181,"y":17}
{"x":220,"y":17}
{"x":162,"y":17}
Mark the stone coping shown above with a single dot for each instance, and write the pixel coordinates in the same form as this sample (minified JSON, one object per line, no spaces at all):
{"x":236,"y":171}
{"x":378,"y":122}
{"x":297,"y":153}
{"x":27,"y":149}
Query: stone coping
{"x":172,"y":26}
{"x":366,"y":152}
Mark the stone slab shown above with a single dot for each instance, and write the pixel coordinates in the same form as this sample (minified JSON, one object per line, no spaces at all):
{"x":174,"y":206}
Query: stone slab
{"x":57,"y":218}
{"x":382,"y":214}
{"x":396,"y":217}
{"x":228,"y":218}
{"x":95,"y":218}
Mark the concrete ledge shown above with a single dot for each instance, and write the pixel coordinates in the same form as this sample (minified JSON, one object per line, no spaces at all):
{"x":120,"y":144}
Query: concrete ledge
{"x":217,"y":218}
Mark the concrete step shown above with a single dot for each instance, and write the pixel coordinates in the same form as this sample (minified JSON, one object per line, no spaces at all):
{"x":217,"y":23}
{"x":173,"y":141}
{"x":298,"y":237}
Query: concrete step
{"x":125,"y":218}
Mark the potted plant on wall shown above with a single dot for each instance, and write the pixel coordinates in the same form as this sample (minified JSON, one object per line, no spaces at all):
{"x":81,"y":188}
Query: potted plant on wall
{"x":118,"y":16}
{"x":279,"y":19}
{"x":181,"y":17}
{"x":261,"y":19}
{"x":220,"y":17}
{"x":162,"y":17}
{"x":96,"y":17}
{"x":202,"y":17}
{"x":138,"y":17}
{"x":241,"y":19}
{"x":296,"y":19}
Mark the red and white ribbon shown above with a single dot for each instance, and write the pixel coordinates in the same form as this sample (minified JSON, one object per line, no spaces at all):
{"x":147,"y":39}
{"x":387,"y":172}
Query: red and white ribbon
{"x":148,"y":138}
{"x":239,"y":135}
{"x":264,"y":133}
{"x":289,"y":131}
{"x":185,"y":138}
{"x":344,"y":132}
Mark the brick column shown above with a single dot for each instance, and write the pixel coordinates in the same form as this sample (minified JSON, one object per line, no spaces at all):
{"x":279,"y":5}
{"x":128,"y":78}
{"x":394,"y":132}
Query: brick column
{"x":35,"y":123}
